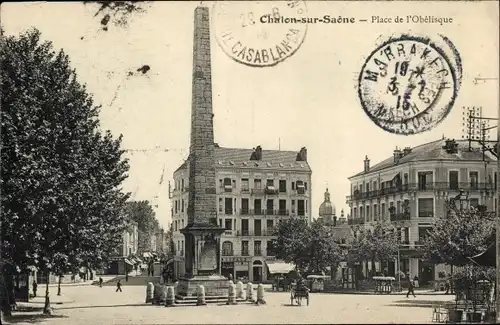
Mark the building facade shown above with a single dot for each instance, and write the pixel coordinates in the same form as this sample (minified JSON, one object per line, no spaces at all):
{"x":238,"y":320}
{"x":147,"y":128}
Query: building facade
{"x":411,"y":187}
{"x":130,"y":240}
{"x":256,"y":189}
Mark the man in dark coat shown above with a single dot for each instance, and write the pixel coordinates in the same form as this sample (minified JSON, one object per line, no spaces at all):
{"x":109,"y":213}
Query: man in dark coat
{"x":118,"y":286}
{"x":411,"y":288}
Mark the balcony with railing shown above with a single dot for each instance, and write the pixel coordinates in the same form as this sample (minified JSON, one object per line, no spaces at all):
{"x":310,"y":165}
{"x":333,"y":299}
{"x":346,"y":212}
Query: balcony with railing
{"x":245,"y":189}
{"x":250,"y":212}
{"x":301,"y":190}
{"x":271,"y":190}
{"x":356,"y":221}
{"x":257,"y":252}
{"x":423,"y":187}
{"x":425,"y":214}
{"x":400,"y":216}
{"x":255,"y":233}
{"x":227,"y":188}
{"x":229,"y":232}
{"x":228,"y":211}
{"x":257,"y":191}
{"x":282,"y":212}
{"x":301,"y":212}
{"x":245,"y":252}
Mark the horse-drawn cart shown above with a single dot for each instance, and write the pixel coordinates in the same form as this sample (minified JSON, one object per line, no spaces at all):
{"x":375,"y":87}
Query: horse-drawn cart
{"x":298,"y":293}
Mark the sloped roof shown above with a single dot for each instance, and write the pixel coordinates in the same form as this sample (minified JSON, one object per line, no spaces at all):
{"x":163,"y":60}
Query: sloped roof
{"x":271,"y":159}
{"x":434,"y":151}
{"x":342,"y":231}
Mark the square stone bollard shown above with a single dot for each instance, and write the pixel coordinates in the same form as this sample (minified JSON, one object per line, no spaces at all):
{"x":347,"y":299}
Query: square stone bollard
{"x":260,"y":295}
{"x":250,"y":295}
{"x":170,"y":299}
{"x":240,"y":293}
{"x":231,"y":300}
{"x":149,"y":292}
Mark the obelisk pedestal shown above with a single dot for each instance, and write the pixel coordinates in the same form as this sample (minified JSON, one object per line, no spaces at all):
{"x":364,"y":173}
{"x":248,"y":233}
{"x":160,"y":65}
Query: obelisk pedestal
{"x":202,"y":233}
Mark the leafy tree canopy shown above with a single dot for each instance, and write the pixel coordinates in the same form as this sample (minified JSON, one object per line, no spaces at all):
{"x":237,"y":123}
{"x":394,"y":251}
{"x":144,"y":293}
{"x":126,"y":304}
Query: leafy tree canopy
{"x":312,"y":248}
{"x":143,"y":214}
{"x":377,"y":244}
{"x":62,"y":202}
{"x":461,"y":234}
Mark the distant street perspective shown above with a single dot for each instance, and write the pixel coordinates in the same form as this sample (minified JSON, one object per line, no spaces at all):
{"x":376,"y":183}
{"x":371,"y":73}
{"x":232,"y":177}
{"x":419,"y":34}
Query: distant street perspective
{"x":405,"y":233}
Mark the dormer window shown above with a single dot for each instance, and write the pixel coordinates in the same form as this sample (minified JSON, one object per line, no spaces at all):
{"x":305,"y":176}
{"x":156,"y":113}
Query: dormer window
{"x":228,"y":185}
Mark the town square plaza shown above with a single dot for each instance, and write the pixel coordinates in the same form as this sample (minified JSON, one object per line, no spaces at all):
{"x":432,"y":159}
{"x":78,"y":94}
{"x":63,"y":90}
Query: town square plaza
{"x":90,"y":304}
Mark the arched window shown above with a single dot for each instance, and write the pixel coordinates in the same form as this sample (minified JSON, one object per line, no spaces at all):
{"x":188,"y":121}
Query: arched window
{"x":257,"y":263}
{"x":227,"y":248}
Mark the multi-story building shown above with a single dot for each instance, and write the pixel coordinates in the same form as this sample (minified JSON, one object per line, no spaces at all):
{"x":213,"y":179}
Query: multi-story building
{"x":255,"y":190}
{"x":130,"y":240}
{"x":411,"y":187}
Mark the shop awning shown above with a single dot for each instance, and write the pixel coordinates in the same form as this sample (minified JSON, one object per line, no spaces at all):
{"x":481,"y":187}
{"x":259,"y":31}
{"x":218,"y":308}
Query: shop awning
{"x":147,"y":255}
{"x":486,"y":258}
{"x":169,"y":261}
{"x":128,"y":262}
{"x":279,"y":267}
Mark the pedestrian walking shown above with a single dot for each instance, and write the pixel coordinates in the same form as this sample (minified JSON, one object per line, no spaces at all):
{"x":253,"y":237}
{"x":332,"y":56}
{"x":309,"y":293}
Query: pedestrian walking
{"x":35,"y":286}
{"x":448,"y":284}
{"x":118,"y":286}
{"x":100,"y":282}
{"x":126,"y":276}
{"x":411,"y":288}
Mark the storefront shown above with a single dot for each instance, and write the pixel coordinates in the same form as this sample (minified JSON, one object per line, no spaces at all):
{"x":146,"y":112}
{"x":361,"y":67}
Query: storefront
{"x":227,"y":268}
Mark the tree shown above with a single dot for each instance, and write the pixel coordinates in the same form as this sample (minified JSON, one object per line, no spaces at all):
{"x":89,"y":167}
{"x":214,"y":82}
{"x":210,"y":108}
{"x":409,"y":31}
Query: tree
{"x":291,"y":243}
{"x":457,"y":236}
{"x":312,"y":248}
{"x":374,"y":245}
{"x":61,"y":200}
{"x":142,"y":212}
{"x":324,"y":251}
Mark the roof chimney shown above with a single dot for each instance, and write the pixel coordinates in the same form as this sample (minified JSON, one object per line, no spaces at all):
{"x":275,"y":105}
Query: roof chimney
{"x":398,"y":154}
{"x":406,"y":151}
{"x":257,"y":153}
{"x":367,"y":164}
{"x":451,"y":146}
{"x":302,"y":155}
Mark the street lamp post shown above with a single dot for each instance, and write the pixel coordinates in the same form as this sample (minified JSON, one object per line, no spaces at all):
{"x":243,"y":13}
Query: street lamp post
{"x":463,"y":200}
{"x":399,"y":270}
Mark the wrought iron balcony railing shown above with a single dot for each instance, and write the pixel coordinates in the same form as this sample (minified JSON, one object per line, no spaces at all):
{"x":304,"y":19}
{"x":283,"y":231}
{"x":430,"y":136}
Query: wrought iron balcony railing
{"x":255,"y":233}
{"x":400,"y":216}
{"x":423,"y":187}
{"x":257,"y":191}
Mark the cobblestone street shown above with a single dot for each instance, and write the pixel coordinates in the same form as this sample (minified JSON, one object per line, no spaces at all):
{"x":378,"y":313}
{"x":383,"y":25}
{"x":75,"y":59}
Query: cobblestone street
{"x":93,"y":305}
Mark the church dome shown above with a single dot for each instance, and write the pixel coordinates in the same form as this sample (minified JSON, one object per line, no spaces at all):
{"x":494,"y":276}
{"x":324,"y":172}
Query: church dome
{"x":326,"y":208}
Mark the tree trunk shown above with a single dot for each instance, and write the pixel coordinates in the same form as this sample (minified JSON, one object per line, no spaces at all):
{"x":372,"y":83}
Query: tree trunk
{"x":46,"y":309}
{"x":5,"y":294}
{"x":373,"y":267}
{"x":59,"y":285}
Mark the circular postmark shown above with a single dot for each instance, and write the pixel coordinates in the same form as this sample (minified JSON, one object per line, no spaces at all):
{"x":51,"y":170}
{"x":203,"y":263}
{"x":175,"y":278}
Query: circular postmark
{"x":260,"y":33}
{"x":408,"y":85}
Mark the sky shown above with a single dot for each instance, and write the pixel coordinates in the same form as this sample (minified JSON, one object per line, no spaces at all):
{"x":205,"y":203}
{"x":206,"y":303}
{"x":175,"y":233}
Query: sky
{"x":310,"y":99}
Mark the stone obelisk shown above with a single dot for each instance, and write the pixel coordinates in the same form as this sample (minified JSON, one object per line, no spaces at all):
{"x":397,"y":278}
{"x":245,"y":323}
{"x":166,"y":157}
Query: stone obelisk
{"x":202,"y":233}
